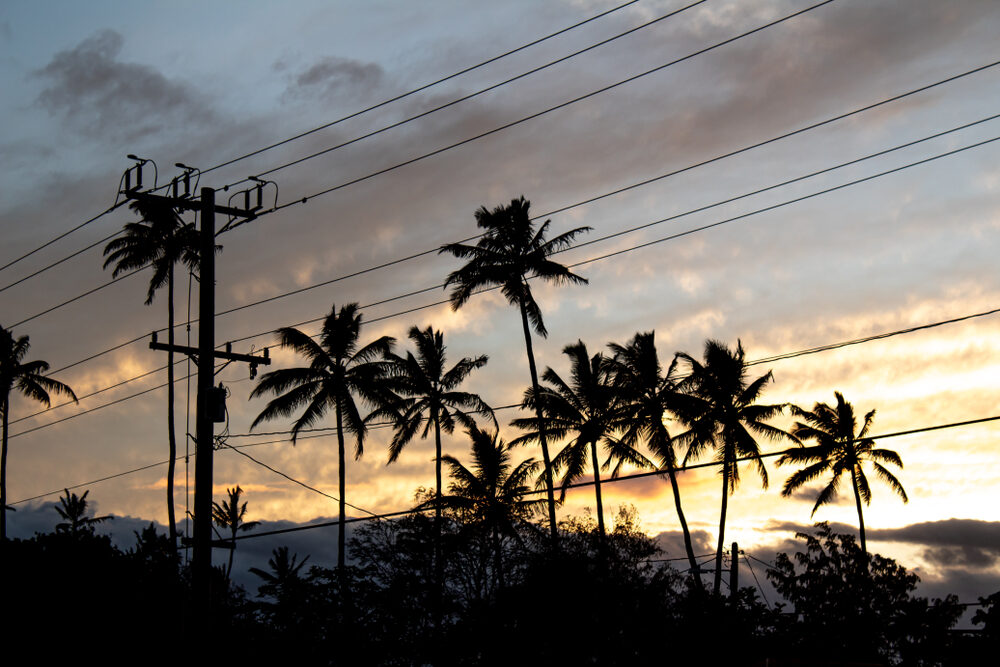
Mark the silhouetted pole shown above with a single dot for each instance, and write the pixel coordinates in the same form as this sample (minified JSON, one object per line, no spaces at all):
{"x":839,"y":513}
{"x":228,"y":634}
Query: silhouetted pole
{"x":204,"y":432}
{"x":734,"y":571}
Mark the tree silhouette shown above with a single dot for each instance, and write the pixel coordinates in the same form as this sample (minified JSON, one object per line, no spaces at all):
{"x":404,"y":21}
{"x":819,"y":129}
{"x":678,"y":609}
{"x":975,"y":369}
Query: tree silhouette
{"x":338,"y":370}
{"x":647,"y":395}
{"x":73,"y":510}
{"x":586,"y":411}
{"x":840,"y":448}
{"x":721,"y":412}
{"x":231,"y":516}
{"x":426,"y":395}
{"x":491,"y":494}
{"x":509,"y":253}
{"x":160,"y":239}
{"x":27,"y":379}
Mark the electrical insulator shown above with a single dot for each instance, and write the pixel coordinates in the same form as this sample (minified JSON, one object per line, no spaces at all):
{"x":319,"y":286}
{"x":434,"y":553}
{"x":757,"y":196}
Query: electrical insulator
{"x":219,"y":404}
{"x":260,"y":196}
{"x":138,"y":175}
{"x":187,"y":183}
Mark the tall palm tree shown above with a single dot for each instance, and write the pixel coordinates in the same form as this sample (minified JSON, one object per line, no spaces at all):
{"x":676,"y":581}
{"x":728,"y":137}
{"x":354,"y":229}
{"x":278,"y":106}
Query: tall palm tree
{"x":509,"y":253}
{"x":492,"y":493}
{"x":426,"y":395}
{"x":338,"y":371}
{"x":840,"y":448}
{"x":25,"y":377}
{"x":160,"y":239}
{"x":647,"y":395}
{"x":587,"y":410}
{"x":722,"y":413}
{"x":230,"y":515}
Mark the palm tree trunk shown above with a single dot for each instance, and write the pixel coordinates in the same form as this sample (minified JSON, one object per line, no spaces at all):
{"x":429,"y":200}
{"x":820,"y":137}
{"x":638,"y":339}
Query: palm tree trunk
{"x":722,"y":526}
{"x":232,"y":552}
{"x":602,"y":546}
{"x":438,"y":565}
{"x":547,"y":472}
{"x":3,"y":471}
{"x":692,"y":562}
{"x":861,"y":518}
{"x":498,"y":559}
{"x":171,"y":435}
{"x":342,"y":486}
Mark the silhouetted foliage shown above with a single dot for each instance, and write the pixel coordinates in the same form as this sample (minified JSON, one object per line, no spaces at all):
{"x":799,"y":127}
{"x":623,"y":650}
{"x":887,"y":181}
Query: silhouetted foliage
{"x":73,"y":509}
{"x":850,"y":606}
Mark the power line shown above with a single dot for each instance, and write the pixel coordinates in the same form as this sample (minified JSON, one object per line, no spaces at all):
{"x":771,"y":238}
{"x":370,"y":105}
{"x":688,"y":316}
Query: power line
{"x":61,"y":236}
{"x":418,"y":89}
{"x":699,"y":209}
{"x":312,"y":131}
{"x":470,"y":96}
{"x":652,"y":242}
{"x":60,"y":261}
{"x":544,"y":112}
{"x":300,"y":483}
{"x":623,"y":189}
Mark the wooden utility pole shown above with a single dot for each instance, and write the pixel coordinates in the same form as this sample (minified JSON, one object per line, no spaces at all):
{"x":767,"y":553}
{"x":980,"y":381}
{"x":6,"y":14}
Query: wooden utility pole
{"x":205,"y":355}
{"x":734,"y":571}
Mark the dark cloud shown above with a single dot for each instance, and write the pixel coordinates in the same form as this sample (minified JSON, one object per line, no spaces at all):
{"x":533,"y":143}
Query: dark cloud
{"x":92,"y":89}
{"x":332,"y":76}
{"x":672,"y":543}
{"x":809,"y":494}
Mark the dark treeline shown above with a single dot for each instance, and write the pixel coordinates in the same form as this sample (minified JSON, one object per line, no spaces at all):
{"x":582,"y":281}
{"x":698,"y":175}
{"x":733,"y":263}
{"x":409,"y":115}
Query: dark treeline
{"x":506,"y":598}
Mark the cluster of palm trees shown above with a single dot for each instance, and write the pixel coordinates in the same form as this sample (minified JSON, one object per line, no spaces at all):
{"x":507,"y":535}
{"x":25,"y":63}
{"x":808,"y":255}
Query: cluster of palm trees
{"x":613,"y":406}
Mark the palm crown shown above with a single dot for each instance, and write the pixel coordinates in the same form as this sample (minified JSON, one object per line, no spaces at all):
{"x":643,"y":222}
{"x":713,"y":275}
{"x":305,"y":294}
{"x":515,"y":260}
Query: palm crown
{"x":840,"y":449}
{"x":510,"y":251}
{"x":337,"y":370}
{"x":587,"y":411}
{"x":25,"y":377}
{"x":646,"y":394}
{"x":721,"y":411}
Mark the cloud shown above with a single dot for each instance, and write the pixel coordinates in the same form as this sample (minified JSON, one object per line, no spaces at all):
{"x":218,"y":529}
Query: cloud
{"x":332,"y":76}
{"x":89,"y":87}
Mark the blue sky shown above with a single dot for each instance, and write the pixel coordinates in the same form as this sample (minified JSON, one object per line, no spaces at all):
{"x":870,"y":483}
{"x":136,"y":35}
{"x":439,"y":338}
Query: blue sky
{"x":87,"y":84}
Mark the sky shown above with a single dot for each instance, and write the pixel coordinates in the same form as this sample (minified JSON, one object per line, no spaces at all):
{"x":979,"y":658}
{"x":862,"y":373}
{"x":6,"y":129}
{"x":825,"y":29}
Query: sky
{"x":840,"y":255}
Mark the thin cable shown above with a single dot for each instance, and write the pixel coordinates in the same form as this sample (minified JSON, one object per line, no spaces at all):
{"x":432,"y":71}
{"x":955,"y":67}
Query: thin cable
{"x":435,"y":250}
{"x":544,"y":112}
{"x":300,"y":483}
{"x":647,"y":244}
{"x":470,"y":96}
{"x":61,"y":236}
{"x":419,"y":89}
{"x":79,"y":296}
{"x":621,"y":478}
{"x":756,"y":581}
{"x":60,"y":261}
{"x":614,"y":192}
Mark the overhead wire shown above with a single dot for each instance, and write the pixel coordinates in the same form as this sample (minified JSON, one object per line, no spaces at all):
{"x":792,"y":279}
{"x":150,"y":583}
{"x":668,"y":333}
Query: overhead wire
{"x":680,"y":235}
{"x":309,"y":132}
{"x":648,"y":181}
{"x":469,"y":96}
{"x":544,"y":112}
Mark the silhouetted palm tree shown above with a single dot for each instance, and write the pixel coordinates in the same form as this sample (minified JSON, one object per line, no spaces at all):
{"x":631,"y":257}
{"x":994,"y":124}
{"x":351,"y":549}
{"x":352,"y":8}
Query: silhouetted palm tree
{"x":509,"y":253}
{"x":721,"y":412}
{"x":647,"y":396}
{"x":492,"y":493}
{"x":840,"y":448}
{"x":231,"y":516}
{"x":338,"y":370}
{"x":159,"y":240}
{"x":73,"y":510}
{"x":27,"y":379}
{"x":426,"y":396}
{"x":587,"y":411}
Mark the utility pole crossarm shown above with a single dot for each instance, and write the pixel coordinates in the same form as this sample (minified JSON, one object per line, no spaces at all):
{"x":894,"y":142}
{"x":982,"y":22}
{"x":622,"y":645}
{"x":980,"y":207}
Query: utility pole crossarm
{"x":229,"y":355}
